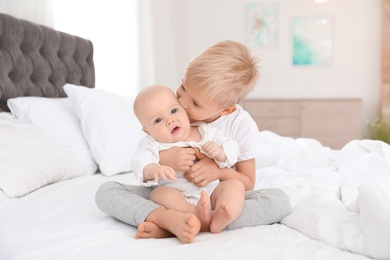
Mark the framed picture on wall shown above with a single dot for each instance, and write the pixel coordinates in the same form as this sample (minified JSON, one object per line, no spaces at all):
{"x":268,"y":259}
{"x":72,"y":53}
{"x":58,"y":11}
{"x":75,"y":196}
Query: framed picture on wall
{"x":312,"y":41}
{"x":261,"y":24}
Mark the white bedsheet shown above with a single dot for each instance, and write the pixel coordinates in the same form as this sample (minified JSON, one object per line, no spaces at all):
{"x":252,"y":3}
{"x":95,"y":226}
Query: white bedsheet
{"x":61,"y":221}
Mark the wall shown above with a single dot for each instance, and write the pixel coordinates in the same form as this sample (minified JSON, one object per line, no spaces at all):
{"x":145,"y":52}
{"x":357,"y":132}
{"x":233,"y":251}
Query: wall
{"x":38,"y":11}
{"x":112,"y":29}
{"x":355,"y":69}
{"x":183,"y":28}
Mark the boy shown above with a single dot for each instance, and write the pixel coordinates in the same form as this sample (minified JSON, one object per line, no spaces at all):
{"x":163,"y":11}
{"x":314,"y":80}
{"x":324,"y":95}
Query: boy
{"x":167,"y":125}
{"x":228,"y":67}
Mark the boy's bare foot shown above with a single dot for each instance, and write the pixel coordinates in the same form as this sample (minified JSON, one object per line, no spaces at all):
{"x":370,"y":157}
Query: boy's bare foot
{"x":151,"y":230}
{"x":223,"y":216}
{"x":203,"y":211}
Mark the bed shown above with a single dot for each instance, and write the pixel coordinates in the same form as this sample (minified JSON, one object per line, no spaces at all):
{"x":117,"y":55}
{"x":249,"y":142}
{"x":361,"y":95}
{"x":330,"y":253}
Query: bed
{"x":60,"y":138}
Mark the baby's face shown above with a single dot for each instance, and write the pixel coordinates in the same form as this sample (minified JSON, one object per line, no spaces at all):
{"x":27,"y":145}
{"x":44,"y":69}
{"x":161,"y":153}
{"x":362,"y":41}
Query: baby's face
{"x":198,"y":107}
{"x":164,"y":118}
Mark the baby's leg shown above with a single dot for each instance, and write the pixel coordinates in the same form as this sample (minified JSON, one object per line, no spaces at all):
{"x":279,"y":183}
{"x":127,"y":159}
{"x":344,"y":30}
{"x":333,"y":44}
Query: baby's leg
{"x":171,"y":198}
{"x":228,"y":202}
{"x":175,"y":218}
{"x":203,"y":211}
{"x":162,"y":221}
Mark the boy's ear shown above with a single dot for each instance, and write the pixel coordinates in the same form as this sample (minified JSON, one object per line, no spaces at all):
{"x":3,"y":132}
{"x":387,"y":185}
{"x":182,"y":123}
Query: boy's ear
{"x":228,"y":110}
{"x":144,"y":129}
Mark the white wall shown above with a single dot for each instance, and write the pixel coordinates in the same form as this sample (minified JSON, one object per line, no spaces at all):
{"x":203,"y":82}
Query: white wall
{"x":355,"y":69}
{"x":38,"y":11}
{"x":111,"y":27}
{"x":183,"y":28}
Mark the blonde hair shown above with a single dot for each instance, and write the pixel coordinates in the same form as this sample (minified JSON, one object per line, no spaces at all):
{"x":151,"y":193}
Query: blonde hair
{"x":226,"y":72}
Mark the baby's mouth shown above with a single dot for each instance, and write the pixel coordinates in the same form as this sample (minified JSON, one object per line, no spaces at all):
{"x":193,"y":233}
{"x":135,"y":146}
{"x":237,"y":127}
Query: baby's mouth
{"x":175,"y":129}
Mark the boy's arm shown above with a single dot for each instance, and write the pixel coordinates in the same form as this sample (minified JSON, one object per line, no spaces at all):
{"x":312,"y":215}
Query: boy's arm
{"x":179,"y":158}
{"x":206,"y":171}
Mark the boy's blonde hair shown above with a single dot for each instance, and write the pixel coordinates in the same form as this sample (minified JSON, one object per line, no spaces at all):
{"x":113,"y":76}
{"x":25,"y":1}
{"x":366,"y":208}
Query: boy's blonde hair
{"x":226,"y":72}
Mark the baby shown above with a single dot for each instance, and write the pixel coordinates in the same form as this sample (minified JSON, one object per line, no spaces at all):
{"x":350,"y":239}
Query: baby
{"x":167,"y":125}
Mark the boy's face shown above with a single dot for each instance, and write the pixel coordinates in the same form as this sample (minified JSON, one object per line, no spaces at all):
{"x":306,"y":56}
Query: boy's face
{"x":164,"y":119}
{"x":198,"y":107}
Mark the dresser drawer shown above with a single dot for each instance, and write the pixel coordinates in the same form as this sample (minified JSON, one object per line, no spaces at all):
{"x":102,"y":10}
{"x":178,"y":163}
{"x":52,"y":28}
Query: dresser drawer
{"x":331,"y":109}
{"x":272,"y":108}
{"x":282,"y":126}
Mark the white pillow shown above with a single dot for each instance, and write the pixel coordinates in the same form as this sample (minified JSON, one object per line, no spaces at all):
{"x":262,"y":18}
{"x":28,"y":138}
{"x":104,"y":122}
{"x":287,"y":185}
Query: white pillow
{"x":30,"y":158}
{"x":56,"y":117}
{"x":109,"y":126}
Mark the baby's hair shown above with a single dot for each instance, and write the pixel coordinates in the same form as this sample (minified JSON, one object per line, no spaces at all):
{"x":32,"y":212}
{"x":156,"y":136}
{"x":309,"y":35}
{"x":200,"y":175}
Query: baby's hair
{"x":225,"y":72}
{"x":144,"y":94}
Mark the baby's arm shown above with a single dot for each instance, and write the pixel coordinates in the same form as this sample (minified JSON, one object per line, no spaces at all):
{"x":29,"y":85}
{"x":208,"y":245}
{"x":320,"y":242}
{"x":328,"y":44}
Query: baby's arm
{"x":152,"y":172}
{"x":214,"y":151}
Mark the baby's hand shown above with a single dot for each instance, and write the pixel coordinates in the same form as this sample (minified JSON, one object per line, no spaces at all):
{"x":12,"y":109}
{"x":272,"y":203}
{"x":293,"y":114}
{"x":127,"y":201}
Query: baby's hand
{"x":165,"y":172}
{"x":154,"y":172}
{"x":214,"y":151}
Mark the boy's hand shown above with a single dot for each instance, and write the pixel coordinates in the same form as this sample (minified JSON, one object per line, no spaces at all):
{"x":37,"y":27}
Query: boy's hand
{"x":198,"y":154}
{"x":203,"y":172}
{"x":214,"y":151}
{"x":179,"y":158}
{"x":153,"y":172}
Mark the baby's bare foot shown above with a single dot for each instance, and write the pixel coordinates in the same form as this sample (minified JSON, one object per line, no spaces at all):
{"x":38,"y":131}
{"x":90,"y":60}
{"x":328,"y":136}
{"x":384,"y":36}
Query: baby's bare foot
{"x":151,"y":230}
{"x":183,"y":225}
{"x":223,"y":216}
{"x":203,"y":211}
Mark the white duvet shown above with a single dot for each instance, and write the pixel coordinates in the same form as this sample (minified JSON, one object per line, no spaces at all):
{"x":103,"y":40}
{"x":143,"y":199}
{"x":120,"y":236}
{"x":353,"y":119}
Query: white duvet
{"x":341,"y":199}
{"x":341,"y":210}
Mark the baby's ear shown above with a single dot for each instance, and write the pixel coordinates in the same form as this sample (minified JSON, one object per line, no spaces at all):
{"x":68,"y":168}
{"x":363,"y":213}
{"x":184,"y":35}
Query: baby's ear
{"x":228,"y":110}
{"x":144,"y":129}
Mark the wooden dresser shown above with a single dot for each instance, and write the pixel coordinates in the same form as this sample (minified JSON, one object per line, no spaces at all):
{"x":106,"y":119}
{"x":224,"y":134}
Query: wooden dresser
{"x":385,"y":89}
{"x":333,"y":122}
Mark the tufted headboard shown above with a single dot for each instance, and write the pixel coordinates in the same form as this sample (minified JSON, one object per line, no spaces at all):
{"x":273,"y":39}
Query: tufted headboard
{"x":36,"y":60}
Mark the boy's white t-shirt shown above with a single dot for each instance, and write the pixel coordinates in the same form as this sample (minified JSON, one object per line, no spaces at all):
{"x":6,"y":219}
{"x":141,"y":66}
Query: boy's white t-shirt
{"x":240,"y":127}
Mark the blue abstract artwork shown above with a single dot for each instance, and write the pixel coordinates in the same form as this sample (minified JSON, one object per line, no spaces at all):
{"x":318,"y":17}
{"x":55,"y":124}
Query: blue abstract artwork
{"x":311,"y":41}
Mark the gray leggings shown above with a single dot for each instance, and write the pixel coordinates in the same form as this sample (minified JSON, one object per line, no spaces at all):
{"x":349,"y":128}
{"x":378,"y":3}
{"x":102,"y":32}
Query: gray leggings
{"x":131,"y":204}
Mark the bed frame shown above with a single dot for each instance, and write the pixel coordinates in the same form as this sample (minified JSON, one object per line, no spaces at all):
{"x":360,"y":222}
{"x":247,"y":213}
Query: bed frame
{"x":36,"y":60}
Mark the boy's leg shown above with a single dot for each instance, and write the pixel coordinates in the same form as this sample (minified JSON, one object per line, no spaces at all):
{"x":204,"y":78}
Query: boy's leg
{"x":262,"y":207}
{"x":131,"y":204}
{"x":128,"y":203}
{"x":227,"y":201}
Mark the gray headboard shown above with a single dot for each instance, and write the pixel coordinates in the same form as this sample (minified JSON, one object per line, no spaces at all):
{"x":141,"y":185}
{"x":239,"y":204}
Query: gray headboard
{"x":36,"y":60}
